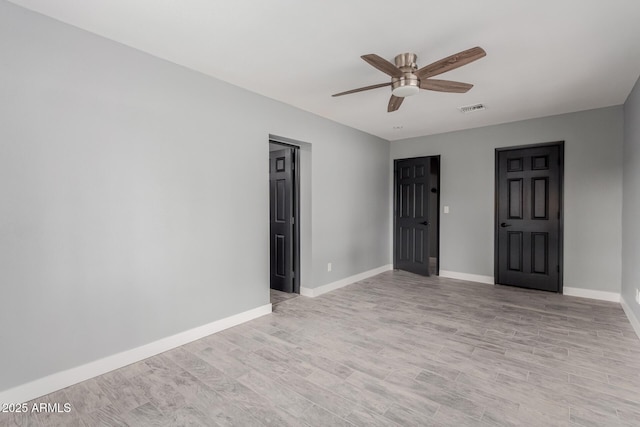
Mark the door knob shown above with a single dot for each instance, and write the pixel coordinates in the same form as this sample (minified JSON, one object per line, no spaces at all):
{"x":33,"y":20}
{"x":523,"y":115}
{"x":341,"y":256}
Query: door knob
{"x":504,"y":224}
{"x":424,"y":223}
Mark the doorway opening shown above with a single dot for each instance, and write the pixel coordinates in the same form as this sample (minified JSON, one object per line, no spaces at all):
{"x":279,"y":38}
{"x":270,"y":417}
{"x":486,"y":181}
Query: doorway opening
{"x":284,"y":223}
{"x":416,"y":230}
{"x":529,"y":218}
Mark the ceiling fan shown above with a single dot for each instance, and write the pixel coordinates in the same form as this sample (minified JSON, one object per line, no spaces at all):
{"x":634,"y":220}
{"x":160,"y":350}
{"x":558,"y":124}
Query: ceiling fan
{"x":407,"y":79}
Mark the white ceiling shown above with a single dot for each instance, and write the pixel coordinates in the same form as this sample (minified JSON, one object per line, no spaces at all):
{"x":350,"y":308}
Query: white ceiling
{"x":544,"y":57}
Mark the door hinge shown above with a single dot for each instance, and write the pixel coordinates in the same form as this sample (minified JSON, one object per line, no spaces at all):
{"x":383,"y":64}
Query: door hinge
{"x":558,"y":214}
{"x":293,"y":220}
{"x":558,"y":268}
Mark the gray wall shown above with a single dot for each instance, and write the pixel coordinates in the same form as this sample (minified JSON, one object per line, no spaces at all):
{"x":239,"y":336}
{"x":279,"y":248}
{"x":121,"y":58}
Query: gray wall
{"x":631,"y":201}
{"x":592,"y":192}
{"x":134,"y":197}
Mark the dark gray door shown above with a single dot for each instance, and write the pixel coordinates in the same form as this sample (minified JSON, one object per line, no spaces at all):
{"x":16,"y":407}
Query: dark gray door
{"x":412,"y":241}
{"x":281,"y":218}
{"x":528,"y":217}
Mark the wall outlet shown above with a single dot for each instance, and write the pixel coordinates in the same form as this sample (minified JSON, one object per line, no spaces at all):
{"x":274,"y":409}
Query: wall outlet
{"x":638,"y":296}
{"x":329,"y":267}
{"x":446,"y":209}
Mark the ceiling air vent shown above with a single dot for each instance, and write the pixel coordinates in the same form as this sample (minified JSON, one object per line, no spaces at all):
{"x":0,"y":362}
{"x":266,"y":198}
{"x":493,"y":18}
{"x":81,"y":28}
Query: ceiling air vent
{"x":471,"y":108}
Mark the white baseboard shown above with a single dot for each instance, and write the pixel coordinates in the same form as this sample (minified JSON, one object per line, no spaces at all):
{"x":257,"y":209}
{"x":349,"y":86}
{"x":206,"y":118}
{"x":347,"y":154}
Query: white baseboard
{"x":469,"y":277}
{"x":60,"y":380}
{"x":314,"y":292}
{"x":306,"y":292}
{"x":635,"y":322}
{"x":588,"y":293}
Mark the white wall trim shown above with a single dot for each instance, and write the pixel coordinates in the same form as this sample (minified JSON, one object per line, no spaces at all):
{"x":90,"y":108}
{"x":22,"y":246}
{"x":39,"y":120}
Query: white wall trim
{"x":314,"y":292}
{"x":635,"y":322}
{"x":574,"y":292}
{"x":588,"y":293}
{"x":469,"y":277}
{"x":60,"y":380}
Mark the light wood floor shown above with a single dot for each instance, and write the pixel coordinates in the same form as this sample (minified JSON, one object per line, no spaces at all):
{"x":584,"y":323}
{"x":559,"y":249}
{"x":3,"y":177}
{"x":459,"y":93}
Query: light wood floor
{"x":277,"y":296}
{"x":396,"y":349}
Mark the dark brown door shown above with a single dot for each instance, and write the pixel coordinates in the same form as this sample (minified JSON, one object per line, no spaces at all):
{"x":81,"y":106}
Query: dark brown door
{"x":414,"y":183}
{"x":281,"y":219}
{"x":528,"y":217}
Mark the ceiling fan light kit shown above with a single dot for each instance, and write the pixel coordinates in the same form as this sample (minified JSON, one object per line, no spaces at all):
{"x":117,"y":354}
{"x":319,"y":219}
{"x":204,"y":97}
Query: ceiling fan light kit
{"x":408,"y":84}
{"x":407,"y":79}
{"x":405,"y":87}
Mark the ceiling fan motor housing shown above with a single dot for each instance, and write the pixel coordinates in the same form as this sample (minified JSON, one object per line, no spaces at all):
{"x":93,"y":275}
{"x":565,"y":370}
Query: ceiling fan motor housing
{"x":408,"y":84}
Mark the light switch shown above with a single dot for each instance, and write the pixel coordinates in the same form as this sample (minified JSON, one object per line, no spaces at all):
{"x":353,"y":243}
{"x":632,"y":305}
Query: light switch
{"x":446,"y":209}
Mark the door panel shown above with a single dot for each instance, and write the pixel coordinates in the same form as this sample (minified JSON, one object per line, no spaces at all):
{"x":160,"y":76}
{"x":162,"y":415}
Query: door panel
{"x":540,"y":253}
{"x":515,"y":199}
{"x":540,"y":194}
{"x":528,"y":217}
{"x":515,"y":250}
{"x":413,"y":232}
{"x":281,"y":214}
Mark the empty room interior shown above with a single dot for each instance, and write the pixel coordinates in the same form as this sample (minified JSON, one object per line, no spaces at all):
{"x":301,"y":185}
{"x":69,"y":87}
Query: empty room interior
{"x":445,"y":233}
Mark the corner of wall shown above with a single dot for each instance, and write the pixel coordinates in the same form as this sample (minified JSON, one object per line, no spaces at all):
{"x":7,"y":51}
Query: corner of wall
{"x":314,"y":292}
{"x":635,"y":322}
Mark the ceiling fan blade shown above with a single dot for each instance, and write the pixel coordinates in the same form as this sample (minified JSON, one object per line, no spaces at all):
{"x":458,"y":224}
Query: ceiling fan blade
{"x":382,"y":65}
{"x":394,"y":103}
{"x":445,"y":86}
{"x":451,"y":62}
{"x":362,"y":89}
